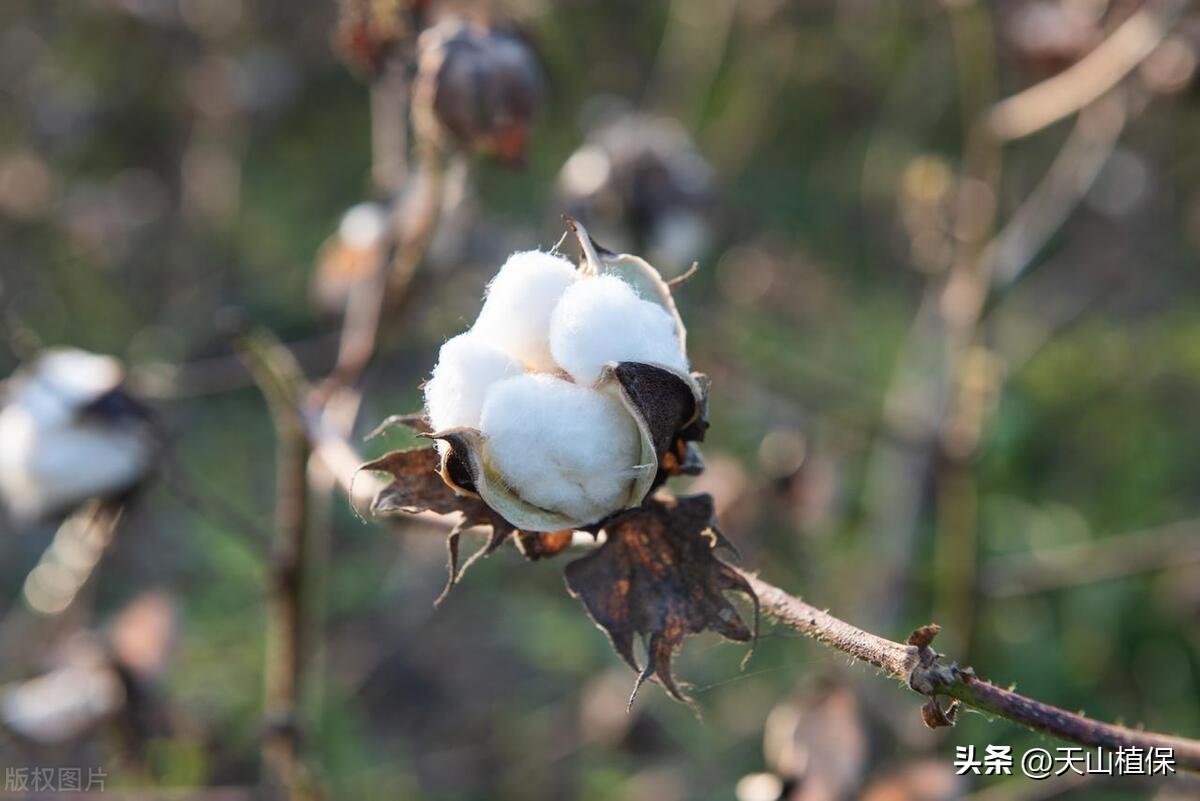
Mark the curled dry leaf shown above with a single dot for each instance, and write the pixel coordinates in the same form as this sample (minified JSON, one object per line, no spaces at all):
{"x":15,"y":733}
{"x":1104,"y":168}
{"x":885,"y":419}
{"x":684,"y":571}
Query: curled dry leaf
{"x":417,"y":486}
{"x":656,"y":577}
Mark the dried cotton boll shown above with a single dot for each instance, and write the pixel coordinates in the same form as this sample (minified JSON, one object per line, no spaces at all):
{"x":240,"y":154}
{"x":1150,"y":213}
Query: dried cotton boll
{"x":520,"y":300}
{"x":560,"y":446}
{"x":601,"y":320}
{"x":467,"y":366}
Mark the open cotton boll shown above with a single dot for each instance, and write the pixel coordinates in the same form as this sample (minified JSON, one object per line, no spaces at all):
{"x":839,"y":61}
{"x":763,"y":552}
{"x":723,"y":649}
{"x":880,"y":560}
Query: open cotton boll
{"x":69,"y":433}
{"x":560,"y":446}
{"x":467,"y":366}
{"x":601,"y":320}
{"x":516,"y":313}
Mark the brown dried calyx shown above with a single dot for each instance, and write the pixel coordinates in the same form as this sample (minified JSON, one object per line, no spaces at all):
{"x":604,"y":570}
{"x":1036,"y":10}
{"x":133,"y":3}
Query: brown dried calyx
{"x":656,"y":578}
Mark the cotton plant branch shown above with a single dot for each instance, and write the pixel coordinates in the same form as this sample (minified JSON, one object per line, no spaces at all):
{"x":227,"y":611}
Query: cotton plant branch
{"x":1081,"y":84}
{"x":914,"y":663}
{"x":1166,"y":547}
{"x":276,"y":372}
{"x":920,"y":668}
{"x":1068,"y":178}
{"x":947,"y":378}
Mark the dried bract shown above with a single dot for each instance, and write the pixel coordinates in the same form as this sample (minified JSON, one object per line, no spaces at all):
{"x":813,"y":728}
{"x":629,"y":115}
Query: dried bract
{"x":657,"y":578}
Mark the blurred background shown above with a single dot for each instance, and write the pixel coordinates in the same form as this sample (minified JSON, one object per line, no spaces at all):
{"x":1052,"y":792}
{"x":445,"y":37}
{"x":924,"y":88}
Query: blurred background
{"x":954,"y":342}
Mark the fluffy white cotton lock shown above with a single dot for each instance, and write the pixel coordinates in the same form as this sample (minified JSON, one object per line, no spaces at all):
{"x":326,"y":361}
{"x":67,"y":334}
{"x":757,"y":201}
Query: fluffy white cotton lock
{"x":569,"y":449}
{"x":467,"y":367}
{"x":54,"y":452}
{"x":601,"y":320}
{"x":520,"y":301}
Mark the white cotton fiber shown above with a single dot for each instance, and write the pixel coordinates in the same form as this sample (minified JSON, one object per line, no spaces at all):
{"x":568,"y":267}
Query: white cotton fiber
{"x":516,"y":313}
{"x":601,"y":320}
{"x":561,"y":446}
{"x":467,"y":366}
{"x":53,"y":455}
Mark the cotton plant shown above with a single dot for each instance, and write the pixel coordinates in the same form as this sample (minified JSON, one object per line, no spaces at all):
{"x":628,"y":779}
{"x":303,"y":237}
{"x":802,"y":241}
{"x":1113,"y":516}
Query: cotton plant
{"x":528,"y":404}
{"x":565,"y":408}
{"x":69,"y":432}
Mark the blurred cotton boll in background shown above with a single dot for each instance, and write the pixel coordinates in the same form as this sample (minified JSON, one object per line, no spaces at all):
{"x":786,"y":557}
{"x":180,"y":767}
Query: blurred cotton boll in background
{"x":640,"y":182}
{"x":349,"y":256}
{"x":70,"y":432}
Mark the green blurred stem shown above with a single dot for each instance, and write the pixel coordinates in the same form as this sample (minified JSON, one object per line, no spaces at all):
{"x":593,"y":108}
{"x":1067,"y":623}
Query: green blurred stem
{"x":276,"y":372}
{"x":920,"y":668}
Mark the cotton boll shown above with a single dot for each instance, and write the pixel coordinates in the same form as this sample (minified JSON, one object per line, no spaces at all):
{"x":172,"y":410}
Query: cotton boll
{"x":69,"y":433}
{"x":560,"y":446}
{"x":467,"y":366}
{"x":601,"y":320}
{"x":520,"y":300}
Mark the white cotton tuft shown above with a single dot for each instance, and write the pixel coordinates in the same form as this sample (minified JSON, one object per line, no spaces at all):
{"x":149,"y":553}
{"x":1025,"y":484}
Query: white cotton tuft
{"x":520,"y":299}
{"x":601,"y":320}
{"x":560,"y":446}
{"x":58,"y":448}
{"x":467,"y":366}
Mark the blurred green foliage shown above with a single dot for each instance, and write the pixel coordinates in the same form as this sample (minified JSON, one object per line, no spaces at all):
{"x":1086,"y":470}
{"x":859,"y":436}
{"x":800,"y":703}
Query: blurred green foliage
{"x":162,"y":161}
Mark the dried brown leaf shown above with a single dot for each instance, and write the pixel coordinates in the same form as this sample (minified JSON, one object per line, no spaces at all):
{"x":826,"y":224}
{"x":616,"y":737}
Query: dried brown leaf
{"x":937,"y":717}
{"x":417,"y":421}
{"x":656,"y":578}
{"x":416,"y":486}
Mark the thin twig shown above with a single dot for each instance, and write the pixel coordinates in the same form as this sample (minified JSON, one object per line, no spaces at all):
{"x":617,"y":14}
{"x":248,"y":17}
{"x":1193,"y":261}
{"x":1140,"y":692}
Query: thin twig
{"x":1171,"y":546}
{"x":920,"y":668}
{"x":1067,"y":180}
{"x":276,"y":371}
{"x":1045,"y":103}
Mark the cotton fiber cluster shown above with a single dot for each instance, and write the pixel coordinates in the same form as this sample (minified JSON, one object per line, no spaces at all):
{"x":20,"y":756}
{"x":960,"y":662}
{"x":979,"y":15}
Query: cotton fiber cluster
{"x":67,"y":434}
{"x":520,"y":301}
{"x":528,"y":377}
{"x":602,"y":320}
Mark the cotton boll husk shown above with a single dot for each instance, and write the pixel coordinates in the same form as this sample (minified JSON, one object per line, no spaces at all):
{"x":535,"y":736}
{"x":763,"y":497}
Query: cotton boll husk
{"x":560,"y":446}
{"x":467,"y":366}
{"x":520,"y":300}
{"x":600,"y":320}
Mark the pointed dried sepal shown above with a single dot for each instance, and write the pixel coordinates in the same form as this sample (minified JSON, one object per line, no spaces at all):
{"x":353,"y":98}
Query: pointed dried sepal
{"x":656,"y":577}
{"x":634,"y":270}
{"x":663,"y":403}
{"x":418,"y":422}
{"x":417,"y":486}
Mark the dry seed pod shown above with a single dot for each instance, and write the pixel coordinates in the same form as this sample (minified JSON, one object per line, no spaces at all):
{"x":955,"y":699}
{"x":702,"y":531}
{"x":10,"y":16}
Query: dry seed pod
{"x":570,"y":398}
{"x":368,"y":31}
{"x":477,"y":90}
